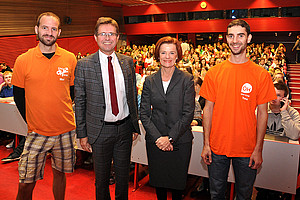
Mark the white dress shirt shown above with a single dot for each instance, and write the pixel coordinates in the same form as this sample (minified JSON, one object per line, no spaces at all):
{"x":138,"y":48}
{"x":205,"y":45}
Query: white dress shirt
{"x":166,"y":85}
{"x":120,"y":88}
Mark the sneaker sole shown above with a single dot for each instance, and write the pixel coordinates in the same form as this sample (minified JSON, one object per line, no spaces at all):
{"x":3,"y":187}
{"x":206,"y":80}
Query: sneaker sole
{"x":10,"y":159}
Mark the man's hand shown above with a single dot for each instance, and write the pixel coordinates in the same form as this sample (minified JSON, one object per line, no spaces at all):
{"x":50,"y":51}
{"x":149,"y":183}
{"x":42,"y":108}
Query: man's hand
{"x":2,"y":85}
{"x":285,"y":105}
{"x":206,"y":155}
{"x":134,"y":136}
{"x":85,"y":145}
{"x":164,"y":144}
{"x":255,"y":160}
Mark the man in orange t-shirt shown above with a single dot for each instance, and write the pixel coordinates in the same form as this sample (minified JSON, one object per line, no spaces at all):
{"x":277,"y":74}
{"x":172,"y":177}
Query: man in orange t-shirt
{"x":43,"y":79}
{"x":233,"y":90}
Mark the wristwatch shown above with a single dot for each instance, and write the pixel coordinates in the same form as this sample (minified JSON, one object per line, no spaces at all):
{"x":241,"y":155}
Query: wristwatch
{"x":171,"y":140}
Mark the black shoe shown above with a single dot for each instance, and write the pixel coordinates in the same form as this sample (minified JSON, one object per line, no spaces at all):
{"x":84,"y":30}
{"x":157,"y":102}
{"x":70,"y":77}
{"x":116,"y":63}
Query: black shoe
{"x":11,"y":157}
{"x":197,"y":193}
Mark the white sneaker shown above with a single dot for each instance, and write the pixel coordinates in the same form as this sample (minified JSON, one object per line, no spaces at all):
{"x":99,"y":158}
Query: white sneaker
{"x":10,"y":145}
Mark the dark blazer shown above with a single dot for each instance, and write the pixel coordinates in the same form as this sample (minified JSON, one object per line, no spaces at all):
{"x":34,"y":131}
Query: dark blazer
{"x":90,"y":99}
{"x":168,"y":114}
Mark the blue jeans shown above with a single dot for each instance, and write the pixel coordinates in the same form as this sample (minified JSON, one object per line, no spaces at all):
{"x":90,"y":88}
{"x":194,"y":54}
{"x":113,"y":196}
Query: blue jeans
{"x":218,"y":174}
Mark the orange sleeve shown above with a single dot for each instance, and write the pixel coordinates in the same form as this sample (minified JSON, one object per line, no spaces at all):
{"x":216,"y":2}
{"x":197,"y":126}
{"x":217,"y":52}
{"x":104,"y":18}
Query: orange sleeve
{"x":266,"y":91}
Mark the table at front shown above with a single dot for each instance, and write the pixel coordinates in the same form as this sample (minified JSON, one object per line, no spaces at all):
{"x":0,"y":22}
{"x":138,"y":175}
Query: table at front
{"x":279,"y":170}
{"x":11,"y":120}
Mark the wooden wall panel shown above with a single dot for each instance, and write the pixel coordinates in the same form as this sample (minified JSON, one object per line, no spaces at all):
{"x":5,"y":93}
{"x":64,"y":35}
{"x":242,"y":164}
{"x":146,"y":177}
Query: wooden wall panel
{"x":18,"y":17}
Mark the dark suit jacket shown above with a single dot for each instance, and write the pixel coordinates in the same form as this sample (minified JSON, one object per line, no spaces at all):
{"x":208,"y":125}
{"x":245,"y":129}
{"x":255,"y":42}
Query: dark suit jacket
{"x":168,"y":114}
{"x":90,"y":99}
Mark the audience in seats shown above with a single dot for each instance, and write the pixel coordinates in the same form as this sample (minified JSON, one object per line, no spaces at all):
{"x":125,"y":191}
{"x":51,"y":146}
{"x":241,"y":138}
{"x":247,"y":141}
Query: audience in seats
{"x":139,"y":64}
{"x":199,"y":103}
{"x":198,"y":60}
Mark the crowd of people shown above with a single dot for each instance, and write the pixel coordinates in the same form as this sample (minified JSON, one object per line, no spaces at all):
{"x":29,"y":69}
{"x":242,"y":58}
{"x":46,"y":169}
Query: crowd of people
{"x":166,"y":86}
{"x":198,"y":59}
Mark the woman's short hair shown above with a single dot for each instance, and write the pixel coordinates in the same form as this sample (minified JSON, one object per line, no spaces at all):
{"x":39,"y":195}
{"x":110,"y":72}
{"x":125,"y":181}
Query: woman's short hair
{"x":168,"y":40}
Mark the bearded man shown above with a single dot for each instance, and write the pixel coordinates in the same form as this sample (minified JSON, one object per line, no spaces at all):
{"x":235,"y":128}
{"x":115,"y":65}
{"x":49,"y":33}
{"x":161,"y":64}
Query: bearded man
{"x":43,"y":81}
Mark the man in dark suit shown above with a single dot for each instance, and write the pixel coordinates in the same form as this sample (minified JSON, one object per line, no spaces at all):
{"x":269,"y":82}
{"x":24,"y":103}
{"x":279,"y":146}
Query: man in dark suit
{"x":106,"y":109}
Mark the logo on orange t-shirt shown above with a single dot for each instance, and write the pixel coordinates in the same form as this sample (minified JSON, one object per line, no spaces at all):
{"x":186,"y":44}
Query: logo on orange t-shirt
{"x":62,"y":72}
{"x":245,"y":91}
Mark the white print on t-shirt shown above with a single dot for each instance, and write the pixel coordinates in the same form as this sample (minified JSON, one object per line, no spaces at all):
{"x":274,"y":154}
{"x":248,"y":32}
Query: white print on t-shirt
{"x":245,"y":91}
{"x":62,"y":72}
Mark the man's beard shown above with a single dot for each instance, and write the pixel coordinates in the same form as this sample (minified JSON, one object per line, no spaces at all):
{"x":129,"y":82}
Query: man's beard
{"x":242,"y":48}
{"x":47,"y":42}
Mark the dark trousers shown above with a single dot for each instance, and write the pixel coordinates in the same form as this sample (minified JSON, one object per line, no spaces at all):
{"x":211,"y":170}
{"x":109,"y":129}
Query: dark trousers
{"x":20,"y":146}
{"x":114,"y":143}
{"x":218,"y":174}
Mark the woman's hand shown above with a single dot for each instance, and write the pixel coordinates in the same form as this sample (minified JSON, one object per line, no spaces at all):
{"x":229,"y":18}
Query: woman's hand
{"x":194,"y":123}
{"x":164,"y":144}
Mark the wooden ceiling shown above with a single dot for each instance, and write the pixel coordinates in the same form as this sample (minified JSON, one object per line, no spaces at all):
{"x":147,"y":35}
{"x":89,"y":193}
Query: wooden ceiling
{"x":143,"y":2}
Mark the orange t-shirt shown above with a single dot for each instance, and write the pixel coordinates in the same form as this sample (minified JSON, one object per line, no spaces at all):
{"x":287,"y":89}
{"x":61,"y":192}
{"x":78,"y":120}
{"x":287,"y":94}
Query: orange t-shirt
{"x":47,"y":90}
{"x":236,"y":90}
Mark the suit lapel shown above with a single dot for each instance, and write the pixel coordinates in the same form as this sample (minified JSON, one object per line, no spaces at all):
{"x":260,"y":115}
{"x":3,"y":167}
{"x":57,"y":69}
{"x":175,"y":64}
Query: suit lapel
{"x":158,"y":82}
{"x":97,"y":66}
{"x":175,"y":78}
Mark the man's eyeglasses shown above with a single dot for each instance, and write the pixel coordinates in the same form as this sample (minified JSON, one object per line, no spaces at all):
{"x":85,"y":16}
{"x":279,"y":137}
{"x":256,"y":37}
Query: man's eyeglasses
{"x":110,"y":34}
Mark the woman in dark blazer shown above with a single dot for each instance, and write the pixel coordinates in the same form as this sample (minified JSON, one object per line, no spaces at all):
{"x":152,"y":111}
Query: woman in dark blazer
{"x":167,"y":110}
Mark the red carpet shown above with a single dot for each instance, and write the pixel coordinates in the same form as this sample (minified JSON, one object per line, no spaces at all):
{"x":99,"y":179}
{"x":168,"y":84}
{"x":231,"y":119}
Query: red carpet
{"x":80,"y":184}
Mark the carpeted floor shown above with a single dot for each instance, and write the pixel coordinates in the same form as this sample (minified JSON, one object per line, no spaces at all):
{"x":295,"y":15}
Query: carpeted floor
{"x":80,"y":184}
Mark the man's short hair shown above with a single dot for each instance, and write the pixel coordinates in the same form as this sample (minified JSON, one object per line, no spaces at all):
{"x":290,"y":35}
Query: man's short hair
{"x":7,"y":73}
{"x":106,"y":20}
{"x":239,"y":22}
{"x":38,"y":21}
{"x":282,"y":86}
{"x":168,"y":40}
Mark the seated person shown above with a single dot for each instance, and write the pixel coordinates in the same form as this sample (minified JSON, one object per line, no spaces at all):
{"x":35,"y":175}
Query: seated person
{"x":139,"y":64}
{"x":199,"y":103}
{"x":6,"y":94}
{"x":278,"y":76}
{"x":4,"y":68}
{"x":6,"y":88}
{"x":262,"y":63}
{"x":283,"y":119}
